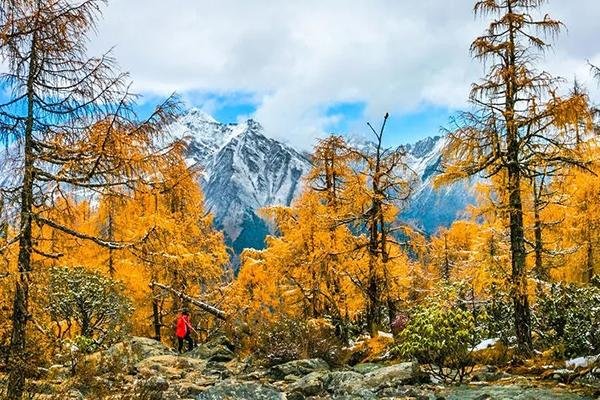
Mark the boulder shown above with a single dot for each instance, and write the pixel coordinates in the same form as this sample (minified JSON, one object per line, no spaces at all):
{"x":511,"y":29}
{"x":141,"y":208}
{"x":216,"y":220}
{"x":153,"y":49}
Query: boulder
{"x":156,"y":384}
{"x":393,"y":375}
{"x":187,"y":389}
{"x":337,"y":379}
{"x":312,"y":384}
{"x":233,"y":390}
{"x":398,"y":374}
{"x":124,"y":354}
{"x":211,"y":352}
{"x":298,"y":368}
{"x":360,"y":394}
{"x":143,"y":347}
{"x":364,"y":368}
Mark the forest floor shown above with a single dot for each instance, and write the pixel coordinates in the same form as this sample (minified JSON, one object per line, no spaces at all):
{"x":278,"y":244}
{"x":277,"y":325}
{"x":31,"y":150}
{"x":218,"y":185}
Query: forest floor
{"x":145,"y":369}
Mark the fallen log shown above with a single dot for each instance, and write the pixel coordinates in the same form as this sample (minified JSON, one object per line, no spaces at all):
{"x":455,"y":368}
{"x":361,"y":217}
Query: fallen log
{"x":200,"y":304}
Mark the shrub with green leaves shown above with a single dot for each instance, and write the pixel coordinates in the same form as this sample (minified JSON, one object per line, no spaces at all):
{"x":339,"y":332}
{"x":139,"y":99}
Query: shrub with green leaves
{"x":87,"y":304}
{"x":567,"y":317}
{"x":496,"y":318}
{"x":440,"y":338}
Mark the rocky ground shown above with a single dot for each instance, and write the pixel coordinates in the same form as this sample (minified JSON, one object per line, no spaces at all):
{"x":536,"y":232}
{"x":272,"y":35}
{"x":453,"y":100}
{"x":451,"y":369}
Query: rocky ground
{"x":147,"y":370}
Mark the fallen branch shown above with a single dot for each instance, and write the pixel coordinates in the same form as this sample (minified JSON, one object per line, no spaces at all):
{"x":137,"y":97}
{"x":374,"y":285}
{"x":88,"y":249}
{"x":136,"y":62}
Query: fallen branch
{"x":200,"y":304}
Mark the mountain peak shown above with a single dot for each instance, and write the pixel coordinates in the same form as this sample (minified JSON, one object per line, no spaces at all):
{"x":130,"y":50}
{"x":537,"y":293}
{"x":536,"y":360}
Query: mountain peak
{"x":199,"y":115}
{"x":422,"y":147}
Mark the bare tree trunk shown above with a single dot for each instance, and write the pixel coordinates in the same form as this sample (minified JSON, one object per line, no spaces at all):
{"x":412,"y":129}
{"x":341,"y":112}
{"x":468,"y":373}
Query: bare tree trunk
{"x":589,"y":264}
{"x":519,"y":272}
{"x":373,"y":305}
{"x":111,"y":236}
{"x":540,"y":271}
{"x":156,"y":318}
{"x":18,"y":362}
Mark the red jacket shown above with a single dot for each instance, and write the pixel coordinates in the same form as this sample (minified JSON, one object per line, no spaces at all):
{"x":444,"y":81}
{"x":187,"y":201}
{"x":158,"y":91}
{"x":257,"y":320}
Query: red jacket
{"x":183,"y":323}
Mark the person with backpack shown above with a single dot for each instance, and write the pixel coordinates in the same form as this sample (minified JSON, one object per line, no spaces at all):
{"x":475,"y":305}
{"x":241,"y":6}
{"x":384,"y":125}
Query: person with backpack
{"x":183,"y":330}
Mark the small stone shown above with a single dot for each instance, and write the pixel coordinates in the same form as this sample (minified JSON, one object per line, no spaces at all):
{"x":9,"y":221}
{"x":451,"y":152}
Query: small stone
{"x":298,"y":367}
{"x":156,"y":383}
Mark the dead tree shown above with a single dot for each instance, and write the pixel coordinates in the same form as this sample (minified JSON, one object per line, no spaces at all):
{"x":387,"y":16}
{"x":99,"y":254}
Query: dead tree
{"x":200,"y":304}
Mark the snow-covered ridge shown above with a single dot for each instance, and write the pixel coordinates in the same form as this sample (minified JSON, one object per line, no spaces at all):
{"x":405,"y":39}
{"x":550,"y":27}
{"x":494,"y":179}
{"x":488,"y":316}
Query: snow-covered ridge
{"x":243,"y":171}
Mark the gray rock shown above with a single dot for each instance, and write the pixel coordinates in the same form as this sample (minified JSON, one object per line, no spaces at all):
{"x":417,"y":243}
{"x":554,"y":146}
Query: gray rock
{"x":169,"y":366}
{"x":362,"y":394}
{"x":232,"y":390}
{"x":144,"y":347}
{"x":366,"y":367}
{"x":398,"y":374}
{"x":403,"y":392}
{"x":338,"y":378}
{"x":298,"y":367}
{"x":311,"y":384}
{"x":156,"y":384}
{"x":215,"y":352}
{"x":393,"y":375}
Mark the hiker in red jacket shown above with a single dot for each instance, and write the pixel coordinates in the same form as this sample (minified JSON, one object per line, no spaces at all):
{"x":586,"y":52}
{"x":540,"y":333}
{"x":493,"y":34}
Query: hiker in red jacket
{"x":183,"y":330}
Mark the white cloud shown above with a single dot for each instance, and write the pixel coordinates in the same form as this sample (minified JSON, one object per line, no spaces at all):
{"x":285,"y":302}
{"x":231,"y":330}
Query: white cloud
{"x":298,"y":57}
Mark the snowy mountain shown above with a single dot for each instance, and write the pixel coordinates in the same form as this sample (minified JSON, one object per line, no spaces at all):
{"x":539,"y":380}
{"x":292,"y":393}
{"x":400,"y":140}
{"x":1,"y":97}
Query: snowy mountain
{"x":430,"y":208}
{"x":243,"y":171}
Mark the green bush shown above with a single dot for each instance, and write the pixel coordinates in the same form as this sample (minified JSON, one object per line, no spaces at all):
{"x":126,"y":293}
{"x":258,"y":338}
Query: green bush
{"x":441,"y":338}
{"x":567,"y":318}
{"x":496,"y":318}
{"x":94,"y":304}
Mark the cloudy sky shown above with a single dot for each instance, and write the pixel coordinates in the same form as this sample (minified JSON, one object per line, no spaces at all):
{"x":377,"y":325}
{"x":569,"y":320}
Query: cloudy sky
{"x":308,"y":67}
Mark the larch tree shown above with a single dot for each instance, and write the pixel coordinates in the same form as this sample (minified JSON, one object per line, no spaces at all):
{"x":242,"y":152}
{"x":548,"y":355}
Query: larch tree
{"x":310,"y":256}
{"x":577,"y":238}
{"x":183,"y":251}
{"x":383,"y":181}
{"x":451,"y":249}
{"x":63,"y":113}
{"x":519,"y":124}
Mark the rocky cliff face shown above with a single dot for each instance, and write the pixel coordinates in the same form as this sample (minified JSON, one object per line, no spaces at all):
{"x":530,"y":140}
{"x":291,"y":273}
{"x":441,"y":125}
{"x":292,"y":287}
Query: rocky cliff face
{"x":244,"y":171}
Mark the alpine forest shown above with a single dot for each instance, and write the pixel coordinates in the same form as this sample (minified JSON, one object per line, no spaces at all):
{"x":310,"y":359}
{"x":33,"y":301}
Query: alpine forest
{"x":415,"y":216}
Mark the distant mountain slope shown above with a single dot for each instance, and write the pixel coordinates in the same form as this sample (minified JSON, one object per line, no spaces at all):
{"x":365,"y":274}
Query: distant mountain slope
{"x":431,"y":208}
{"x":243,"y":171}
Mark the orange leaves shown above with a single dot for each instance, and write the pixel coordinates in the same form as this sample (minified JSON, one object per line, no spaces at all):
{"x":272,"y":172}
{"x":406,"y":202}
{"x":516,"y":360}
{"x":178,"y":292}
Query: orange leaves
{"x":572,"y":112}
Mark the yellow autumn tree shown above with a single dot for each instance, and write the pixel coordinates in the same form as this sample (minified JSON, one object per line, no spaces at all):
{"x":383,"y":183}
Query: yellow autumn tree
{"x":518,"y":126}
{"x":307,"y":263}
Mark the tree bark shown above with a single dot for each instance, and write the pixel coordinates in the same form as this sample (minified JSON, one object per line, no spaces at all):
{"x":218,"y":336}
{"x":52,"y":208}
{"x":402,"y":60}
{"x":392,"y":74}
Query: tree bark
{"x":517,"y":234}
{"x":540,"y":272}
{"x":589,"y":265}
{"x":518,"y":271}
{"x":18,"y":357}
{"x":156,"y":319}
